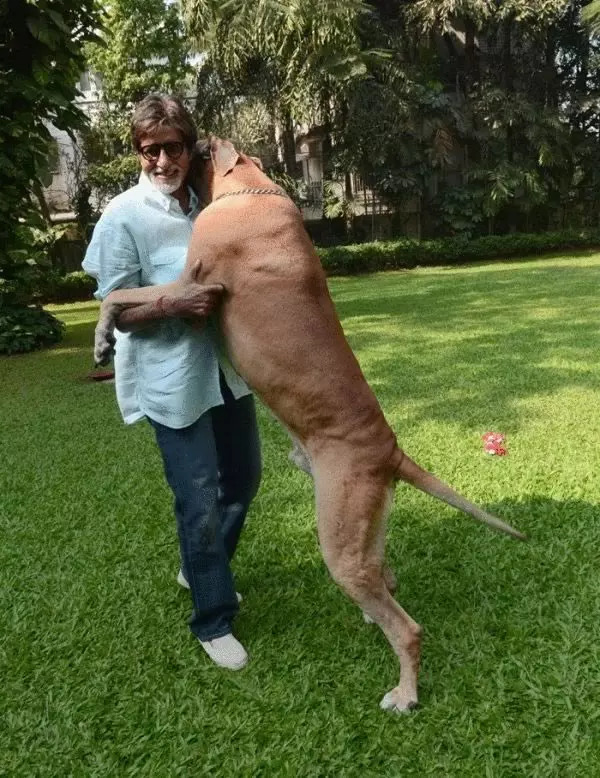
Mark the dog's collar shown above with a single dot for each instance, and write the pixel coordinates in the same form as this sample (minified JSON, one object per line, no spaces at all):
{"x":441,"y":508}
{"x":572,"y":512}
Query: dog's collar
{"x":254,"y":190}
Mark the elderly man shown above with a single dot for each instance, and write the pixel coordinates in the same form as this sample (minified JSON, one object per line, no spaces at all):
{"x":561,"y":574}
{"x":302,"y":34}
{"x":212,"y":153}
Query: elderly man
{"x":175,"y":374}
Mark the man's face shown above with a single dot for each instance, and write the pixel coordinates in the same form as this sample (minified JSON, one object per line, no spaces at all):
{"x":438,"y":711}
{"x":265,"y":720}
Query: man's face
{"x":164,"y":159}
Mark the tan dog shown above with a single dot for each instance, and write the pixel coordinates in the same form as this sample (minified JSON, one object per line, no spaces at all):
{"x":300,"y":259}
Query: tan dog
{"x":285,"y":339}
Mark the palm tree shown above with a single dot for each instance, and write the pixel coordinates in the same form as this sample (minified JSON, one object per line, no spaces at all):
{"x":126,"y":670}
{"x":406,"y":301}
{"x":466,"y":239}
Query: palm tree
{"x":297,"y":56}
{"x":591,"y":15}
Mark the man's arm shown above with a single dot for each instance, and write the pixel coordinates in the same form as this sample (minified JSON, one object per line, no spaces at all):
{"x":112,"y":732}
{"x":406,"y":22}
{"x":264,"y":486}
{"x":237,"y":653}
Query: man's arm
{"x":181,"y":300}
{"x":139,"y":317}
{"x":130,"y":309}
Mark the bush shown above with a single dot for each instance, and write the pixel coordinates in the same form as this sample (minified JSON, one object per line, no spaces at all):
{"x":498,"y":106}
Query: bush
{"x":406,"y":253}
{"x":70,"y":288}
{"x":25,"y":328}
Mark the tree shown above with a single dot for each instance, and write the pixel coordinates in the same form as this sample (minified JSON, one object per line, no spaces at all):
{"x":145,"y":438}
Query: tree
{"x":143,"y":49}
{"x":295,"y":57}
{"x":591,"y":15}
{"x":41,"y":45}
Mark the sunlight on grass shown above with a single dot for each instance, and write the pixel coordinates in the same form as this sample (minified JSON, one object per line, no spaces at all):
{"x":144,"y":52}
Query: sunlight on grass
{"x":100,"y":674}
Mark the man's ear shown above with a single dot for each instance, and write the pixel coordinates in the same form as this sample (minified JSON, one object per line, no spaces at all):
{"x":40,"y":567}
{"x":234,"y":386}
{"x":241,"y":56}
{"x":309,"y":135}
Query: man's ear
{"x":223,"y":155}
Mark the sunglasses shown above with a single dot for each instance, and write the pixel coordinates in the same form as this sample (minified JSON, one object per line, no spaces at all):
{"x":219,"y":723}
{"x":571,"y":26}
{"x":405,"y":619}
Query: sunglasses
{"x":173,"y":150}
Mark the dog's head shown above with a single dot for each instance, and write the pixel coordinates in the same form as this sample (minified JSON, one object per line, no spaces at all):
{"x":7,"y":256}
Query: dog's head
{"x":214,"y":158}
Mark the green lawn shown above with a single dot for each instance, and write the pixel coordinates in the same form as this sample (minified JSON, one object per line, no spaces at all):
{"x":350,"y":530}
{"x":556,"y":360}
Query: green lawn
{"x":100,"y":675}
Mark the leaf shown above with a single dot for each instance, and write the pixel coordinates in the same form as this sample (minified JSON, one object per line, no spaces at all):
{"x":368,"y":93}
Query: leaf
{"x":59,"y":21}
{"x":40,"y":73}
{"x":39,"y":29}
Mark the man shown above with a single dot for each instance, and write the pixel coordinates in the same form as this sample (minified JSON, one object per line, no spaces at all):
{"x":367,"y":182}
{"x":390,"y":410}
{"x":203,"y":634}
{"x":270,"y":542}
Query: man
{"x":174,"y":372}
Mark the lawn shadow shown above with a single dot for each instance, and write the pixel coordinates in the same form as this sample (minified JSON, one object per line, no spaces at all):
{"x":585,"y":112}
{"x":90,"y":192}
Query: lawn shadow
{"x":455,"y":567}
{"x":484,"y":600}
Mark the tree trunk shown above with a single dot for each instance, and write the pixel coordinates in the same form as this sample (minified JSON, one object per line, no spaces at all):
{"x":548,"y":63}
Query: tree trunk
{"x":39,"y":193}
{"x":551,"y":97}
{"x":471,"y":58}
{"x":472,"y":79}
{"x":288,"y":146}
{"x":581,"y":80}
{"x":509,"y":88}
{"x":507,"y":63}
{"x":349,"y":208}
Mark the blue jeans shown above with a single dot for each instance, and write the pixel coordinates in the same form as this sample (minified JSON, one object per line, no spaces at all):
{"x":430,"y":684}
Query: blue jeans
{"x":213,"y":468}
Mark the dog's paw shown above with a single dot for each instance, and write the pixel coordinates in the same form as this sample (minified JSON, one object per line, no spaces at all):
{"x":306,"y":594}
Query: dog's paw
{"x":104,"y":344}
{"x":299,"y":458}
{"x":397,"y":703}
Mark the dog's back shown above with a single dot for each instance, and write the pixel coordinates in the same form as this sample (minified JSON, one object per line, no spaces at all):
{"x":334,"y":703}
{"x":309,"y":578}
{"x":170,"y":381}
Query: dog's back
{"x":281,"y":326}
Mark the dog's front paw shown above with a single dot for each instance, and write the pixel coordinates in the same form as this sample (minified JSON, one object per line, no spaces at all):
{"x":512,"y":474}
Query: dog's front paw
{"x":104,"y":344}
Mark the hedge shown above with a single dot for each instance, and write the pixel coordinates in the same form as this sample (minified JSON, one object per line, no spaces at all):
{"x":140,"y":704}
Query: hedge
{"x":70,"y":288}
{"x":383,"y":255}
{"x":405,"y":253}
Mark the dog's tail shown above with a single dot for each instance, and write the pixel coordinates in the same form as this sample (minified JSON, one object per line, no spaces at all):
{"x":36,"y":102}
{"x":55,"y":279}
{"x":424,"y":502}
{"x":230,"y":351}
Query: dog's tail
{"x":409,"y":471}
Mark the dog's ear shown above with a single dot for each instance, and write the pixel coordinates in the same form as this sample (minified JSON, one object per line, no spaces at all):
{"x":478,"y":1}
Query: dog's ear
{"x":197,"y":170}
{"x":258,"y":162}
{"x":223,"y":155}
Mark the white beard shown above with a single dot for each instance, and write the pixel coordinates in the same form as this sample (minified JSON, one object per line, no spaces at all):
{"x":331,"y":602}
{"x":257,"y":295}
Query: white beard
{"x":166,"y":187}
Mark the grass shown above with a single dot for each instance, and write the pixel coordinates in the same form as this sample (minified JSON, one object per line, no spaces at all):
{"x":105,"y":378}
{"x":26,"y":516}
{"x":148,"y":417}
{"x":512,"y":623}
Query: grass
{"x":100,"y":674}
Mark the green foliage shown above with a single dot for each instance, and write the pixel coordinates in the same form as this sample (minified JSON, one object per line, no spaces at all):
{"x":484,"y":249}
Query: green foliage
{"x":406,"y":253}
{"x":460,"y":209}
{"x":116,"y":175}
{"x":290,"y":185}
{"x":292,"y":47}
{"x":591,"y":14}
{"x":397,"y":133}
{"x":26,"y":328}
{"x":23,"y":270}
{"x":495,"y":99}
{"x":72,"y":287}
{"x":335,"y":203}
{"x":143,"y":50}
{"x":41,"y":46}
{"x":293,"y":57}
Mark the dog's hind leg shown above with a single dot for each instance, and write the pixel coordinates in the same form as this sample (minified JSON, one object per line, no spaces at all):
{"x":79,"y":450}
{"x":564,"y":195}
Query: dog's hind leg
{"x":351,"y":522}
{"x":390,"y":582}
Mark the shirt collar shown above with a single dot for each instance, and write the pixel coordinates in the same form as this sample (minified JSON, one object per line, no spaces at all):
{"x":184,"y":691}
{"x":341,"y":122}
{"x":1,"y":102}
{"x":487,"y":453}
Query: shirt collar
{"x":165,"y":200}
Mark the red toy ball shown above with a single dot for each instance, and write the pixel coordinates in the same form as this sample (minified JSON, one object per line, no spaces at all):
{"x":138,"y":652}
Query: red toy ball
{"x":492,"y":443}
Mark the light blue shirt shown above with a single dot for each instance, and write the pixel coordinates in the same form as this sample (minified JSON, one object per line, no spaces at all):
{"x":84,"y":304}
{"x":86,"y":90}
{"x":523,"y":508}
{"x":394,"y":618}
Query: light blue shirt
{"x":169,"y":371}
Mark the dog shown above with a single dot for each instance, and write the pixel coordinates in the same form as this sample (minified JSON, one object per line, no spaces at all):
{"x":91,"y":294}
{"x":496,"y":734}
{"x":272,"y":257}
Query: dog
{"x":285,"y":339}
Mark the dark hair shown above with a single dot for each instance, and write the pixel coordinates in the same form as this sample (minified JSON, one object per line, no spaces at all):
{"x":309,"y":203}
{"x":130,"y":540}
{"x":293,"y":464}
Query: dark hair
{"x":158,"y":111}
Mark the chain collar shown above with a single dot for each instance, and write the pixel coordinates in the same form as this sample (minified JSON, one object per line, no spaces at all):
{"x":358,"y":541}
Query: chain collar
{"x":254,"y":190}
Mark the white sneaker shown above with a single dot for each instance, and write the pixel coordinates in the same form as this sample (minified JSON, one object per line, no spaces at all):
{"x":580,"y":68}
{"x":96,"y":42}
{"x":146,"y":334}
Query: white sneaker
{"x":226,"y":651}
{"x":182,"y":581}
